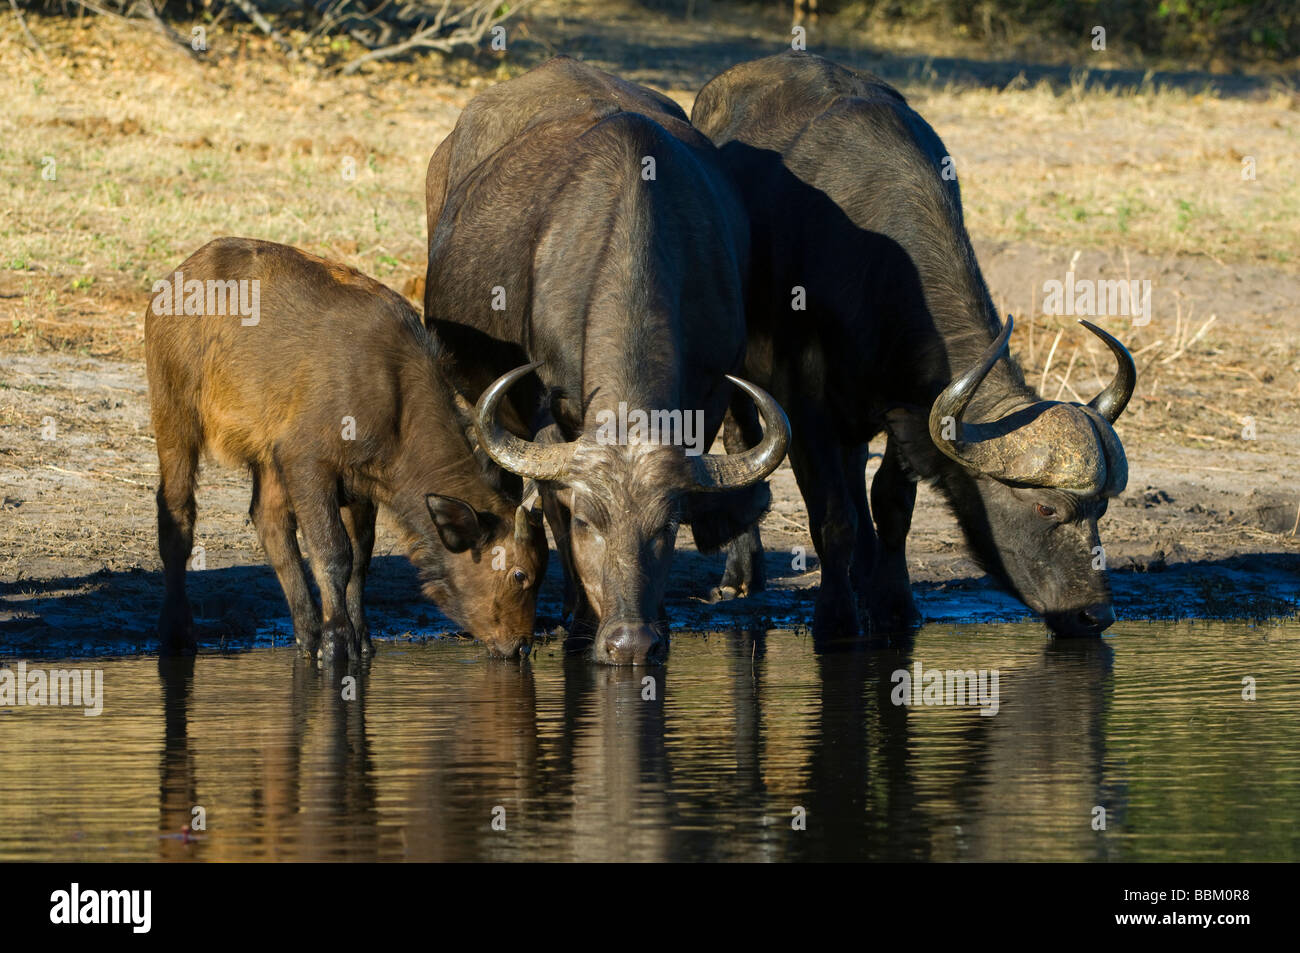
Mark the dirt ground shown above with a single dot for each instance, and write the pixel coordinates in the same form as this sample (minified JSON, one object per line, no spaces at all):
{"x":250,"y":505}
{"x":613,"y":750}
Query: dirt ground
{"x":1110,"y":175}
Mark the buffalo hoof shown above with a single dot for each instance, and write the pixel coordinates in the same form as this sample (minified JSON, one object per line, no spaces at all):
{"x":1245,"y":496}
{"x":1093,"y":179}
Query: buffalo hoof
{"x":366,"y":646}
{"x":896,"y":614}
{"x":176,"y":630}
{"x":743,"y":575}
{"x":178,"y":644}
{"x":835,"y":619}
{"x":308,"y":642}
{"x":338,"y":641}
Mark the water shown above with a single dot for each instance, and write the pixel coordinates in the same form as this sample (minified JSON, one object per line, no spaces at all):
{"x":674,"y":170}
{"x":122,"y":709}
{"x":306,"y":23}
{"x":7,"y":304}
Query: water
{"x":1149,"y":724}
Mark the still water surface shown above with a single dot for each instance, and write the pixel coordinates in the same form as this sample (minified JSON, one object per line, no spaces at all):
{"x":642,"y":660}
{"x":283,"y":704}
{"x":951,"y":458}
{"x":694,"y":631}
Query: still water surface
{"x":742,"y":730}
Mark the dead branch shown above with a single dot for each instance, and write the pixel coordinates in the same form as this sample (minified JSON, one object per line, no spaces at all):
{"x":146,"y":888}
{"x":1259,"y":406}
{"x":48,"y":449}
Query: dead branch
{"x":385,"y":28}
{"x":22,"y":22}
{"x":481,"y":15}
{"x":152,"y":16}
{"x":263,"y":24}
{"x":95,"y":8}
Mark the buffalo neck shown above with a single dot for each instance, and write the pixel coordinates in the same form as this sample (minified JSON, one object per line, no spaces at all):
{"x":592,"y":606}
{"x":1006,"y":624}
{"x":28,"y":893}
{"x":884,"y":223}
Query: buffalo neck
{"x":633,"y":350}
{"x":953,"y":322}
{"x":432,"y":452}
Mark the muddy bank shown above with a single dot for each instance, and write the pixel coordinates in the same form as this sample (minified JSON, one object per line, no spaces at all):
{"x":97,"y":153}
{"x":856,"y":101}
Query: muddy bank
{"x":1198,"y":533}
{"x":107,"y":612}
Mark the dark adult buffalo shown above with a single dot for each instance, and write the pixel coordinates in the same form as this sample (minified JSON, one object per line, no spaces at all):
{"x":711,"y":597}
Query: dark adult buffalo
{"x":587,"y":264}
{"x":854,"y":220}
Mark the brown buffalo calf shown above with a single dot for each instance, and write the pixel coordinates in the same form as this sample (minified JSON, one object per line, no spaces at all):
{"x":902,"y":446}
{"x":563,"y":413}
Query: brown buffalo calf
{"x":327,"y":386}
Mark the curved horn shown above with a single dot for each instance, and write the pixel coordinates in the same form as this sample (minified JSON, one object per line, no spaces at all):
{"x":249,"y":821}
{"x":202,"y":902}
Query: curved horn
{"x":731,"y":471}
{"x":1110,"y":403}
{"x":535,"y":461}
{"x":952,"y":402}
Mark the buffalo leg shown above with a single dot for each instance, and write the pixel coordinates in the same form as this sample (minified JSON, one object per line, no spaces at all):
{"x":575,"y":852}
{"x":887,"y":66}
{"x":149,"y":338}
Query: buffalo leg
{"x":178,"y":467}
{"x":744,"y":574}
{"x":893,"y":496}
{"x":576,"y":609}
{"x":359,"y":520}
{"x":818,"y":466}
{"x":864,"y":545}
{"x":278,"y":531}
{"x":314,"y":495}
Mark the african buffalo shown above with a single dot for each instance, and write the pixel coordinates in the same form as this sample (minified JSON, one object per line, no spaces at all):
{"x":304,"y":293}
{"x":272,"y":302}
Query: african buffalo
{"x":326,"y":385}
{"x":854,"y":220}
{"x":587,"y":264}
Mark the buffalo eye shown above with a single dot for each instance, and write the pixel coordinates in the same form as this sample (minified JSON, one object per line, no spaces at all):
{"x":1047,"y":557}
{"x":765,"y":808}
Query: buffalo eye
{"x":585,"y":527}
{"x":1045,"y":511}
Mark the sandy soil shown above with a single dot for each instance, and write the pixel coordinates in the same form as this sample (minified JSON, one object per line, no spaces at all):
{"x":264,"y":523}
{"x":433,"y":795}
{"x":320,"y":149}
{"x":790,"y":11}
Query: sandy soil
{"x":1201,"y":531}
{"x":1207,"y":527}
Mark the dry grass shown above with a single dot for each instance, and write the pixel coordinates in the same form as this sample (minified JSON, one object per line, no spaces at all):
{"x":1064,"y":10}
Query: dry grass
{"x":1158,"y":171}
{"x":155,"y":155}
{"x":1200,"y":385}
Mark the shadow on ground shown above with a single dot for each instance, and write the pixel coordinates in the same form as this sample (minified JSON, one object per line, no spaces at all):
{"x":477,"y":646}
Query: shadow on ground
{"x":114,"y":613}
{"x":671,"y":53}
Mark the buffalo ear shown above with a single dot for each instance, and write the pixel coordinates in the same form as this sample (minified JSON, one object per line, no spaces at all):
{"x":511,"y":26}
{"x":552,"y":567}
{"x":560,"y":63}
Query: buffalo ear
{"x":457,"y":523}
{"x":910,"y":427}
{"x":464,"y":413}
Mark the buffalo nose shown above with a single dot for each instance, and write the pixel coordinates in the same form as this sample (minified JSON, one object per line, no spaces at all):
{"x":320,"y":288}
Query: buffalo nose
{"x":627,"y":644}
{"x":1098,"y":618}
{"x":510,"y":648}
